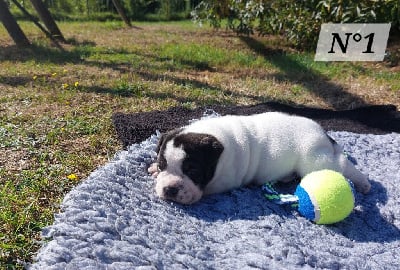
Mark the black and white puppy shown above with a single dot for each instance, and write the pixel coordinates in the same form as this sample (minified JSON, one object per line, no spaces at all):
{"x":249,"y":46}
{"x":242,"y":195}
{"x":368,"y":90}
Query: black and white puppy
{"x":219,"y":154}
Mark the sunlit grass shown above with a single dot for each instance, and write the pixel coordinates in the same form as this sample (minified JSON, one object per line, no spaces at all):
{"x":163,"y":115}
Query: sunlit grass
{"x":56,"y":104}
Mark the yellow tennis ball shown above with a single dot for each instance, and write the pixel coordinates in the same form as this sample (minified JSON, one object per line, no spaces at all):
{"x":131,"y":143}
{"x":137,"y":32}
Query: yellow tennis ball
{"x":325,"y":197}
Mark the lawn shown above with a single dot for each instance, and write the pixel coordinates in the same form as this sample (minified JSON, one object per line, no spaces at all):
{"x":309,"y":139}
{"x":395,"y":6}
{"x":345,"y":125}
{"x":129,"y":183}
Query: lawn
{"x":56,"y":102}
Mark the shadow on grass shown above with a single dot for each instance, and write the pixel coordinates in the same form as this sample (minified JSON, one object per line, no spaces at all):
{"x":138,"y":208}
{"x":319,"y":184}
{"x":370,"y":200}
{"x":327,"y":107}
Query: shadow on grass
{"x":137,"y":90}
{"x":15,"y":81}
{"x":153,"y":73}
{"x":295,"y":72}
{"x":45,"y":53}
{"x":151,"y":67}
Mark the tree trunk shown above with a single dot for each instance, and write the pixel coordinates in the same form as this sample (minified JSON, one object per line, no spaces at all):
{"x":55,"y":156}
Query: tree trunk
{"x":33,"y":19}
{"x":47,"y":19}
{"x":11,"y":25}
{"x":121,"y":12}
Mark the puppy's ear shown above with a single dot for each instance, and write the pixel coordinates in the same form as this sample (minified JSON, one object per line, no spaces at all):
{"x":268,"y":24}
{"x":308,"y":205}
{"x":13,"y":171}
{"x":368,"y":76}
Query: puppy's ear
{"x":167,"y":136}
{"x":200,"y":143}
{"x":212,"y":144}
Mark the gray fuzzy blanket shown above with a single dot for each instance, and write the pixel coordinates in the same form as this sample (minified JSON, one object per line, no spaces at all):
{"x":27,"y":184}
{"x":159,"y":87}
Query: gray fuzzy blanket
{"x":113,"y":220}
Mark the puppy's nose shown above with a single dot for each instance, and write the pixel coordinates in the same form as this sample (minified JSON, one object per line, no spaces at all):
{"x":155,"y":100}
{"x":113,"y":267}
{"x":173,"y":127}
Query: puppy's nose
{"x":170,"y":192}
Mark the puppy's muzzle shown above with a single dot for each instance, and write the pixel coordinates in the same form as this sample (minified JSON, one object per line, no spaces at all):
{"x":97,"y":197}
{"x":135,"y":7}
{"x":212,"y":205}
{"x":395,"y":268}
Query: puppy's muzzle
{"x":170,"y":192}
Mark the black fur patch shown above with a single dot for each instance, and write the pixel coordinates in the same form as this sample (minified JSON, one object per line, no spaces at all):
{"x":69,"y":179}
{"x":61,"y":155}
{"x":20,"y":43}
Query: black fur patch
{"x":202,"y":155}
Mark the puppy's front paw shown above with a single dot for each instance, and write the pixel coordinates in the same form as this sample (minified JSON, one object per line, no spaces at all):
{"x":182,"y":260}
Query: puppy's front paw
{"x":153,"y":169}
{"x":364,"y":187}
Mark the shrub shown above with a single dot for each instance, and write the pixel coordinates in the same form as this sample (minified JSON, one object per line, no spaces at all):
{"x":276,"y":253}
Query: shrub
{"x":298,"y":21}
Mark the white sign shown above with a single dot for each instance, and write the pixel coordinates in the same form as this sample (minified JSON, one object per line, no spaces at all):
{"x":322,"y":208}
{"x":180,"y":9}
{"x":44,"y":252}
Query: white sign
{"x":352,"y":42}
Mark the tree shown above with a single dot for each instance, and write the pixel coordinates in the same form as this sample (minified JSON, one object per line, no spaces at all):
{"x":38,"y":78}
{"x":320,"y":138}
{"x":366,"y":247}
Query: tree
{"x":299,"y":21}
{"x":11,"y":25}
{"x":47,"y":19}
{"x":121,"y":12}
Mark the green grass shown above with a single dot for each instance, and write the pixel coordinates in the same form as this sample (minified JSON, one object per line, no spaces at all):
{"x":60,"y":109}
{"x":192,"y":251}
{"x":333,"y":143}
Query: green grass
{"x":56,"y":105}
{"x":203,"y":57}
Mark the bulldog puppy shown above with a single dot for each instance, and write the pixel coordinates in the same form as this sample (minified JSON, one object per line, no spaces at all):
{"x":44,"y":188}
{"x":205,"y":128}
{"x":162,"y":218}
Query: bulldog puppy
{"x":219,"y":154}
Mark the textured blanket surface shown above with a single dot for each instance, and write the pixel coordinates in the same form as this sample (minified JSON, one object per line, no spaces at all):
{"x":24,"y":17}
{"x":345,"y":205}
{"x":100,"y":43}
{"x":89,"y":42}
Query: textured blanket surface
{"x":113,"y":220}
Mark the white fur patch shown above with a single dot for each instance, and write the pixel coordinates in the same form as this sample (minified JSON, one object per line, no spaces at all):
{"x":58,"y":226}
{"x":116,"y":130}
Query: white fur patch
{"x":174,"y":156}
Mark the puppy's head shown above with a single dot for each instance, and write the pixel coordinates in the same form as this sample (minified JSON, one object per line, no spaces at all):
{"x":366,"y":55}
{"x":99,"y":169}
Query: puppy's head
{"x":186,"y":164}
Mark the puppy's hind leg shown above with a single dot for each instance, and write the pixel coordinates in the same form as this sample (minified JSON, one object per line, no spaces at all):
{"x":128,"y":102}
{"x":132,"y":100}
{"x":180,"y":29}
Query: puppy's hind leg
{"x":329,"y":155}
{"x":360,"y":180}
